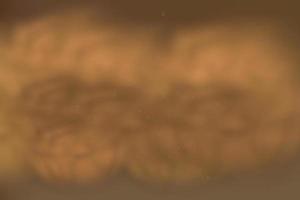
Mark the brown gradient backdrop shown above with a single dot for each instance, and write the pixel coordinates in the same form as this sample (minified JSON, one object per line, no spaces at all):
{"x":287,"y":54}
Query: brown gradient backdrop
{"x":280,"y":182}
{"x":142,"y":10}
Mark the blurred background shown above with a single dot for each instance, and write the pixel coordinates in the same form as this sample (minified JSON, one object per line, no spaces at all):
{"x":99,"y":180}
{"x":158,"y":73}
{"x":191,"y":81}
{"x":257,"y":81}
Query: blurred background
{"x":174,"y":12}
{"x":279,"y":182}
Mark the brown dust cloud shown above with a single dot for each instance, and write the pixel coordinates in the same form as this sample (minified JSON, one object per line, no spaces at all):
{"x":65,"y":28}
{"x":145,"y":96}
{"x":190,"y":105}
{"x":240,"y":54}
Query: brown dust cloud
{"x":153,"y":100}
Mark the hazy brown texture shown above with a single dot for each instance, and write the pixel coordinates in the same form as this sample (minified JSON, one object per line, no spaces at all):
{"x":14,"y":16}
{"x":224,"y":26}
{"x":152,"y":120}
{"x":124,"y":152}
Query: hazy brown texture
{"x":95,"y":97}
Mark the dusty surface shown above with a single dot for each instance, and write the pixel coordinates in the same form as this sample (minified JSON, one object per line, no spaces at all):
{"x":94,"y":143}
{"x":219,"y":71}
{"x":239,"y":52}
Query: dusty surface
{"x":94,"y":98}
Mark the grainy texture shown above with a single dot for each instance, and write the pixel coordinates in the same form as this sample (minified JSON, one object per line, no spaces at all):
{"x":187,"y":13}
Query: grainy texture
{"x":92,"y":99}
